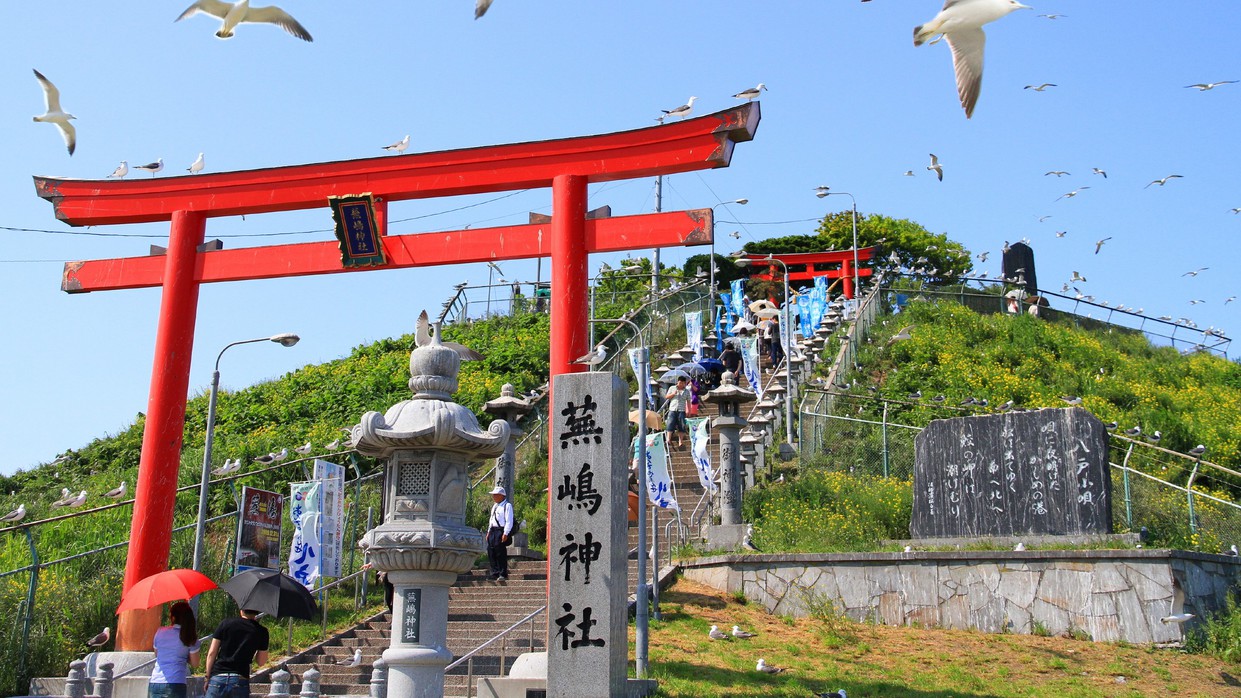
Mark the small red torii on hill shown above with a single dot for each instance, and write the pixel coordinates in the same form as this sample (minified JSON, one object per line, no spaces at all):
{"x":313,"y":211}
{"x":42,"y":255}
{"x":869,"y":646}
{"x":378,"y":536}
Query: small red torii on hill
{"x":567,"y":166}
{"x":804,"y":266}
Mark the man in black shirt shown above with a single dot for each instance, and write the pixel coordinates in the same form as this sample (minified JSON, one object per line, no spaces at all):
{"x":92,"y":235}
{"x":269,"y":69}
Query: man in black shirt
{"x":731,"y":358}
{"x":237,"y":643}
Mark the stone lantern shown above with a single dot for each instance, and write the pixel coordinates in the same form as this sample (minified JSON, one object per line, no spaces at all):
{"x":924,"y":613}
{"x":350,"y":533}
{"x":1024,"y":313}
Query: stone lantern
{"x":510,"y":409}
{"x":423,"y":543}
{"x":729,"y":397}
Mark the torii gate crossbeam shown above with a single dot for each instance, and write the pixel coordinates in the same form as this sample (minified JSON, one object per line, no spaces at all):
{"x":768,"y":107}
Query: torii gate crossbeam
{"x":567,"y":166}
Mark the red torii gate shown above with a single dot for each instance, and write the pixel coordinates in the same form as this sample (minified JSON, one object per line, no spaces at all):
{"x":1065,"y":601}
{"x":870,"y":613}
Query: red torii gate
{"x":840,"y":260}
{"x":565,"y":165}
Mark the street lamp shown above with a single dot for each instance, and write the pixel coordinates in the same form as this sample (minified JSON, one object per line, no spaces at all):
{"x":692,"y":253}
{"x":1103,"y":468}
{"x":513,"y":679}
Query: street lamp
{"x":642,"y":617}
{"x":785,"y":329}
{"x":822,"y":192}
{"x":492,"y":268}
{"x":711,"y":297}
{"x":285,"y":340}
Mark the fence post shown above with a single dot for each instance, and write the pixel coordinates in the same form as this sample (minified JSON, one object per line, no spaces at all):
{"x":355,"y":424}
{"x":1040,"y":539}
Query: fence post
{"x":75,"y":682}
{"x":310,"y":684}
{"x":885,"y":438}
{"x":30,"y":598}
{"x":1128,"y":498}
{"x":1189,"y":493}
{"x":103,"y":680}
{"x":279,"y":684}
{"x":379,"y":679}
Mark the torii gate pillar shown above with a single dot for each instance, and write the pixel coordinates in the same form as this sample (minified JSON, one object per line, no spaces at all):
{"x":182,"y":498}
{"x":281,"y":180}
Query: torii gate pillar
{"x":570,"y":311}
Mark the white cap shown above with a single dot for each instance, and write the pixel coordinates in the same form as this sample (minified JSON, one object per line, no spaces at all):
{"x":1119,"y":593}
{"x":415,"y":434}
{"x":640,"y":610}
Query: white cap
{"x":499,"y":490}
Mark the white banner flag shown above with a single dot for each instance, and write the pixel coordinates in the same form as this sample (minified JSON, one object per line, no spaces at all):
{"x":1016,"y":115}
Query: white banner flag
{"x":658,"y":480}
{"x":749,"y":351}
{"x":333,"y":508}
{"x":693,"y":333}
{"x":305,"y":552}
{"x":699,"y":442}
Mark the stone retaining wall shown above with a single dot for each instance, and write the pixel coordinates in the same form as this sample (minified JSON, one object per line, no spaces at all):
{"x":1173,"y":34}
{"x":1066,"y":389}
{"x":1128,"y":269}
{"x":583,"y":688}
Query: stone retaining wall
{"x":1112,"y":595}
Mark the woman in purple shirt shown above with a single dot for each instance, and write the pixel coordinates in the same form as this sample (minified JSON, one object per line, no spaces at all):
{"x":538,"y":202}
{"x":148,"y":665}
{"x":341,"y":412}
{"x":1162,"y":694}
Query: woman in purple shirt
{"x":176,"y":649}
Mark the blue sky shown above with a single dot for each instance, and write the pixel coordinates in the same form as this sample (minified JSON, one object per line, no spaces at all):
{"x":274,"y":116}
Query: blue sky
{"x":852,"y":105}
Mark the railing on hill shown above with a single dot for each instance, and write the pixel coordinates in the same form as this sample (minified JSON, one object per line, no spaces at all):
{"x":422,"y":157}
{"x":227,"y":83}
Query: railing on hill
{"x":1183,"y":500}
{"x":502,"y":638}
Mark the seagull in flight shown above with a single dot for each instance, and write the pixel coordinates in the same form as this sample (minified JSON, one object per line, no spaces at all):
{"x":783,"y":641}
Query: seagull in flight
{"x":1163,"y":181}
{"x":152,"y":167}
{"x":1195,"y":272}
{"x":1098,"y":245}
{"x":120,"y":171}
{"x":682,"y":111}
{"x":1204,"y":86}
{"x":1040,"y":88}
{"x":1053,"y":16}
{"x":1098,"y":171}
{"x":481,"y":7}
{"x":197,"y":166}
{"x":593,"y":358}
{"x":400,"y":146}
{"x":960,"y":22}
{"x":751,"y":93}
{"x":936,"y":167}
{"x":233,"y":14}
{"x":1058,"y":173}
{"x":1072,"y":194}
{"x":53,"y":114}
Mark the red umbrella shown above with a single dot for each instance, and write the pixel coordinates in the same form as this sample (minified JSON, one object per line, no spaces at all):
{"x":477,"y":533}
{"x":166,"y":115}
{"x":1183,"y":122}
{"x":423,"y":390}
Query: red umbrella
{"x":162,"y":587}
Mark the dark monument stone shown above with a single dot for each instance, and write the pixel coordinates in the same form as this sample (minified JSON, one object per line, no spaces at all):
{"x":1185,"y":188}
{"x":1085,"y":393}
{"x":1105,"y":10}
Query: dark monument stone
{"x":1028,"y":473}
{"x":1018,"y":263}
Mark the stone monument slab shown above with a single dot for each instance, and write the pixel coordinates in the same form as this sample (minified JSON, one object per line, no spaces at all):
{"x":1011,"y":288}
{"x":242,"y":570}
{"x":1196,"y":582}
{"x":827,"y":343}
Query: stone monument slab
{"x":587,"y":616}
{"x":1042,"y":472}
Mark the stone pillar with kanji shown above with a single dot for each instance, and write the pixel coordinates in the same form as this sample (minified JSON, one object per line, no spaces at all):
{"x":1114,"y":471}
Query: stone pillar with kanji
{"x":587,"y":646}
{"x":729,"y":396}
{"x":423,"y":543}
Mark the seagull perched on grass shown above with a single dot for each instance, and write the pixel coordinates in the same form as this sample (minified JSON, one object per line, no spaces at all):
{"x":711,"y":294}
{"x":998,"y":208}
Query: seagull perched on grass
{"x":767,"y":668}
{"x":834,"y":694}
{"x":233,"y":14}
{"x":120,"y":171}
{"x":593,"y":358}
{"x":716,"y":634}
{"x":936,"y":167}
{"x":752,"y":93}
{"x":53,"y":114}
{"x":682,"y":111}
{"x":400,"y":146}
{"x":355,"y":660}
{"x":14,"y":516}
{"x":741,"y":634}
{"x":960,"y":22}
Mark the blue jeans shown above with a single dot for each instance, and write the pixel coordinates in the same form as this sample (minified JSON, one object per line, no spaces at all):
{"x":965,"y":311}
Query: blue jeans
{"x":165,"y":690}
{"x":228,"y":686}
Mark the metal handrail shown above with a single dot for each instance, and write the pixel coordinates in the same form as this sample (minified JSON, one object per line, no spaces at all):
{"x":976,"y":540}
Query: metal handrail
{"x":468,"y":657}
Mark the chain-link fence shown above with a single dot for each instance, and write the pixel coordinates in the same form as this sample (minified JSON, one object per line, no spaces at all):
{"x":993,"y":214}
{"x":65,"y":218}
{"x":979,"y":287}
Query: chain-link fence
{"x":1175,"y":499}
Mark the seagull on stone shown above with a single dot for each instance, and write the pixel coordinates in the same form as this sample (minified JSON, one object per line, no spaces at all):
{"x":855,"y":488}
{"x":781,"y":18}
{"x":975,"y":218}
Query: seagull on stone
{"x":741,"y":634}
{"x":101,"y":639}
{"x":355,"y":660}
{"x":53,"y":114}
{"x":152,"y":167}
{"x":751,"y":93}
{"x":936,"y":167}
{"x":593,"y":358}
{"x":1019,"y":547}
{"x":1204,"y":86}
{"x":233,"y":14}
{"x":961,"y":22}
{"x":481,"y":7}
{"x":1098,"y":245}
{"x":767,"y":668}
{"x":14,"y":516}
{"x":1163,"y":181}
{"x":1071,"y":399}
{"x":747,"y":539}
{"x":116,"y":492}
{"x":425,"y":334}
{"x":1177,"y":618}
{"x":120,"y":171}
{"x":682,"y":111}
{"x":716,"y":634}
{"x":400,"y":146}
{"x":197,"y":166}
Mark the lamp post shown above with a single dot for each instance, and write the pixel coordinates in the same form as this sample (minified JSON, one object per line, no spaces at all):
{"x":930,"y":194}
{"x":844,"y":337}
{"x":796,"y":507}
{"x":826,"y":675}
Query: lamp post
{"x":785,"y":330}
{"x":822,"y":192}
{"x":711,"y":297}
{"x":287,"y":340}
{"x":492,"y":268}
{"x":642,"y":613}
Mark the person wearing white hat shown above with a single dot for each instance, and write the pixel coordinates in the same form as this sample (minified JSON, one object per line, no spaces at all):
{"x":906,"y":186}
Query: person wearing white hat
{"x":499,"y":530}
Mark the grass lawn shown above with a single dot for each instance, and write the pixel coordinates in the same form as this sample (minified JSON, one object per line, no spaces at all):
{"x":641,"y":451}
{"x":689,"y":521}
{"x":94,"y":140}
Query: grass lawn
{"x":869,"y":660}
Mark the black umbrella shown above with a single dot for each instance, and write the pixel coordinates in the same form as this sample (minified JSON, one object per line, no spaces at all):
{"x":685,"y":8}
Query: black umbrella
{"x":271,"y":592}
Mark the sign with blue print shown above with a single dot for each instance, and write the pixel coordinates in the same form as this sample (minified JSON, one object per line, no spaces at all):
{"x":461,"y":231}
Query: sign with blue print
{"x":356,"y":231}
{"x":411,"y":617}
